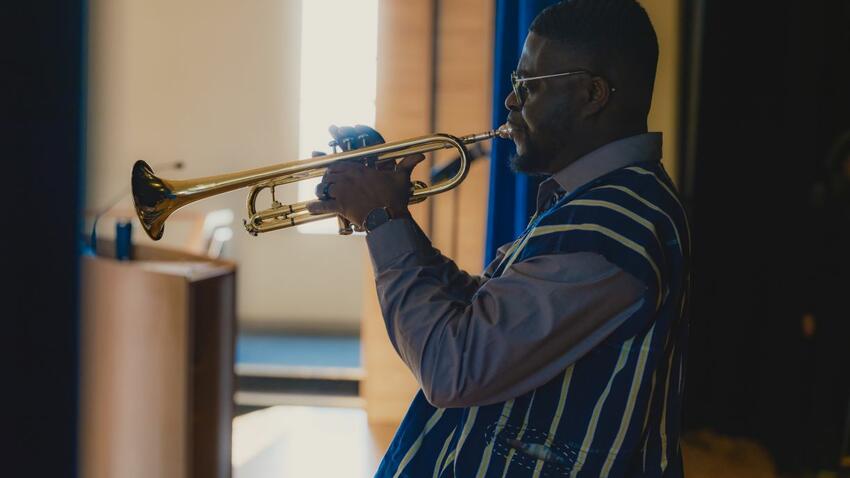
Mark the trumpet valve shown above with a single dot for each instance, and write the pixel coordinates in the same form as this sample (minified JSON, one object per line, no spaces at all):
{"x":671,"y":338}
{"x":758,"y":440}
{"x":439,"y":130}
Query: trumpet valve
{"x":249,"y":226}
{"x":345,"y":226}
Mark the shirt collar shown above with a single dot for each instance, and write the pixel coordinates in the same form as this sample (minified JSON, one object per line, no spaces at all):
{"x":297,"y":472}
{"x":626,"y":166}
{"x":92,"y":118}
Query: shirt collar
{"x":599,"y":162}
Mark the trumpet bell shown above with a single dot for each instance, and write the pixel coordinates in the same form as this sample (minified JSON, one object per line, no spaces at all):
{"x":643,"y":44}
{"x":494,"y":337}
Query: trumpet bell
{"x":154,"y":199}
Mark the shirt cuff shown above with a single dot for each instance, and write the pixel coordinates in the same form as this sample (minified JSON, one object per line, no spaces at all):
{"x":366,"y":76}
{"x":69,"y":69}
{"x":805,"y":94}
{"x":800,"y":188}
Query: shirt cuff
{"x":393,"y":240}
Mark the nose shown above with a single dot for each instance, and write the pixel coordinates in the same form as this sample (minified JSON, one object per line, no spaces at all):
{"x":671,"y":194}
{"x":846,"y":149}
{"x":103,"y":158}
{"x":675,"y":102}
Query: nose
{"x":511,"y":102}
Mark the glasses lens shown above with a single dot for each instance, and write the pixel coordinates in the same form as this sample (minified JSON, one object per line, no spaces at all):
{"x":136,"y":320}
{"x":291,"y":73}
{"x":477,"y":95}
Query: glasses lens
{"x":518,"y":88}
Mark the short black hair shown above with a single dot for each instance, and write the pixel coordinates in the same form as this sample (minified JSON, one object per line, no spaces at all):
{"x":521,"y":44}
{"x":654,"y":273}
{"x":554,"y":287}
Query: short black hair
{"x":615,"y":32}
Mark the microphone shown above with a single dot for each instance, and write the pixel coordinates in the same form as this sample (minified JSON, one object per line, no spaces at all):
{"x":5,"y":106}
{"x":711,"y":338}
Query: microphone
{"x":92,"y":246}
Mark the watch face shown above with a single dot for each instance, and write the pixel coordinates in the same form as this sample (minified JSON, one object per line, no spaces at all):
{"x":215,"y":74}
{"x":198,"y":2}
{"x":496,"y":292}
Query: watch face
{"x":376,"y":217}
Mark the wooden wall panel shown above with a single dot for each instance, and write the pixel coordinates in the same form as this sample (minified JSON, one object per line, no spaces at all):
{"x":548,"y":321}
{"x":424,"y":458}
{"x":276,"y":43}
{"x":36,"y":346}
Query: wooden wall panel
{"x":472,"y":219}
{"x":463,"y":105}
{"x":403,"y":108}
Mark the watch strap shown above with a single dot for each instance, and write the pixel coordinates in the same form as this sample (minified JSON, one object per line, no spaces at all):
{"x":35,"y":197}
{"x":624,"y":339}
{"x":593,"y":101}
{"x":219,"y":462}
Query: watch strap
{"x":376,"y":218}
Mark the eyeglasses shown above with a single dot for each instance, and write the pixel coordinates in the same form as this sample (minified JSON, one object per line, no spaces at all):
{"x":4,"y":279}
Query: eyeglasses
{"x":521,"y":91}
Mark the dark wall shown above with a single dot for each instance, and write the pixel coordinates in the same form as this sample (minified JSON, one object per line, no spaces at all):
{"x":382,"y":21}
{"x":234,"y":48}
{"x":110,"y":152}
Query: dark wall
{"x":774,"y":96}
{"x":42,"y":161}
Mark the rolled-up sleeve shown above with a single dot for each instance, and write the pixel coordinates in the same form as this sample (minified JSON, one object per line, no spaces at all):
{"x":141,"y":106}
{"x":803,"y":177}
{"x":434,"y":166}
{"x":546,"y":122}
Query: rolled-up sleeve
{"x":472,"y":340}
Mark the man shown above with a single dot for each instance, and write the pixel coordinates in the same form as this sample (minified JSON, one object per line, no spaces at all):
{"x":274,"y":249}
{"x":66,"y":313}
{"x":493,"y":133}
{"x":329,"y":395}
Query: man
{"x":565,"y":358}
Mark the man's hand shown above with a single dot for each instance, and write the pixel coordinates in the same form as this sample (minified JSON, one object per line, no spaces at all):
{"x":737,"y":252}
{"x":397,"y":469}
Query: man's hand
{"x":355,"y":190}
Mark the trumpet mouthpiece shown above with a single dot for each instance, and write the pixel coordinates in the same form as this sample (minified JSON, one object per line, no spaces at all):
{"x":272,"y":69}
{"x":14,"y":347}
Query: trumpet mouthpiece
{"x":504,"y":131}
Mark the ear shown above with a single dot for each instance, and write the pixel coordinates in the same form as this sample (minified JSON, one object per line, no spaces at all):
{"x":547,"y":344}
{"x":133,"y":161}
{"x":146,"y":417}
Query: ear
{"x":598,"y":94}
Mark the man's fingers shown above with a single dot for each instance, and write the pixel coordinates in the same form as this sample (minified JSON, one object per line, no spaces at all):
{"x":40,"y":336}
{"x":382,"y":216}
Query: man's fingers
{"x":343,"y":135}
{"x":409,"y":162}
{"x":341,"y":166}
{"x":372,"y":136}
{"x":322,"y":207}
{"x":324,"y":189}
{"x":340,"y":177}
{"x":386,"y":165}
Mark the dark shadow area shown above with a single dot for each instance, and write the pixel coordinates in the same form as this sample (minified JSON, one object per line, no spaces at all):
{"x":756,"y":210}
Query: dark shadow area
{"x":771,"y":222}
{"x":43,"y":122}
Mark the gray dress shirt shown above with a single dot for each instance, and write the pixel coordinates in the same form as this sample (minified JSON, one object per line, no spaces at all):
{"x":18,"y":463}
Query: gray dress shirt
{"x":476,"y":340}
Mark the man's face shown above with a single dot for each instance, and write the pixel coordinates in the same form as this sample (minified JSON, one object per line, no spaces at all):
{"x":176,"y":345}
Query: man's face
{"x":544,"y":125}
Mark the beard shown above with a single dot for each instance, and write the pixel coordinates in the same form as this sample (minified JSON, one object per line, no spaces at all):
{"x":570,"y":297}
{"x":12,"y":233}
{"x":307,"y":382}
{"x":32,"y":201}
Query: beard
{"x":536,"y":159}
{"x":544,"y":145}
{"x":530,"y":163}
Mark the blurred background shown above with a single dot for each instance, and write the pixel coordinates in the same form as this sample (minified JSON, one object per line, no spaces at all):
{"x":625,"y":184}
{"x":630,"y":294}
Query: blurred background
{"x":213,"y":352}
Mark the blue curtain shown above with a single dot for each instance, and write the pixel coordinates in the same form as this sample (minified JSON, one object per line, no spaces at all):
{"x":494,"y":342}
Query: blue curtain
{"x":512,"y":196}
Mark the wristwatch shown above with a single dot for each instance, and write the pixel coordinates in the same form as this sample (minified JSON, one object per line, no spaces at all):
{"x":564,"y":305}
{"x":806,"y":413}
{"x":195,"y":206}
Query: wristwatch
{"x":376,"y":217}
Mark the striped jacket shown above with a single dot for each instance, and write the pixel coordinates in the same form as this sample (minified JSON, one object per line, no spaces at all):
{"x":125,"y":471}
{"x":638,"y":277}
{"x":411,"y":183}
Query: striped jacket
{"x":614,"y":412}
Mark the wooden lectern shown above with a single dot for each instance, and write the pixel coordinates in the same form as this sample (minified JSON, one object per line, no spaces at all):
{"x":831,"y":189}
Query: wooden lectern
{"x":157,"y":346}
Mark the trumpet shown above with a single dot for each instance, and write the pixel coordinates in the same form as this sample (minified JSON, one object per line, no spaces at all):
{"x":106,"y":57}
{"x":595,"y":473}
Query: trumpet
{"x":156,"y":198}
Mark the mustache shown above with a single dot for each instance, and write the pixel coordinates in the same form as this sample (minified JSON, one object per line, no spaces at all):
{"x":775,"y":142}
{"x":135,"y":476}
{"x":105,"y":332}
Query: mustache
{"x":515,"y":121}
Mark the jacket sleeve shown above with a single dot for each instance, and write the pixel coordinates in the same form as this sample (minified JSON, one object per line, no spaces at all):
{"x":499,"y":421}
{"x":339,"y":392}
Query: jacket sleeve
{"x":477,"y":340}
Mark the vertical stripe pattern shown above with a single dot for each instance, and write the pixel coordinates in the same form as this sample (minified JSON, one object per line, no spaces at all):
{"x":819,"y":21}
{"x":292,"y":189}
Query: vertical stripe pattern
{"x":612,"y":413}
